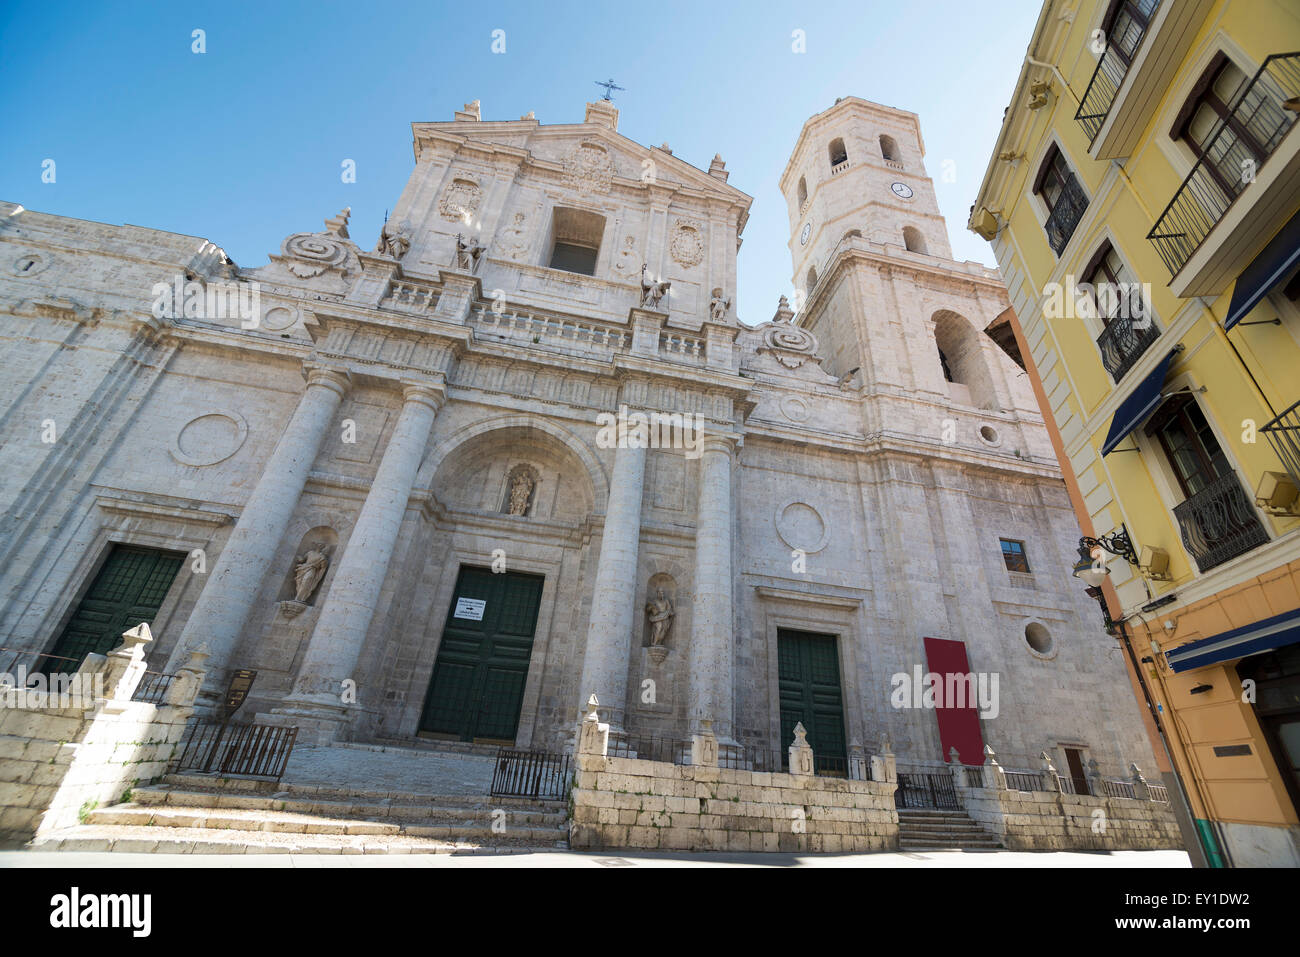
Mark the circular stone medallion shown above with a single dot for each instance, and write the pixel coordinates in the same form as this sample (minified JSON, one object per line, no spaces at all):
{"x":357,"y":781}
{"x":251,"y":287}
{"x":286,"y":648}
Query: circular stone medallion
{"x":209,"y":438}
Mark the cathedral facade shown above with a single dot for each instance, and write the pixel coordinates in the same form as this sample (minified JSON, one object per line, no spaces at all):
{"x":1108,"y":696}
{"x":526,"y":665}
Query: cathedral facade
{"x":523,"y":450}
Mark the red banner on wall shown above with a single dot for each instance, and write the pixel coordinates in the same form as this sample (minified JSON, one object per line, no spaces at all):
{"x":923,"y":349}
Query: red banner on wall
{"x":957,"y":711}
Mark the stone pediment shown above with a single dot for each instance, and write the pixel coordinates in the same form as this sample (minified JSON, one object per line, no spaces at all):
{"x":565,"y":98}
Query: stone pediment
{"x":589,"y":154}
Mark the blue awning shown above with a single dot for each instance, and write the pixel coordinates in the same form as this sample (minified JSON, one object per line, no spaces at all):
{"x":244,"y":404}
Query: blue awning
{"x":1276,"y":632}
{"x":1271,"y":266}
{"x":1137,"y":408}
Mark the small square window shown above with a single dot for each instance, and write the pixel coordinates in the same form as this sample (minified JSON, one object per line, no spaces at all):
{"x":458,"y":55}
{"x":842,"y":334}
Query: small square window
{"x":1013,"y":555}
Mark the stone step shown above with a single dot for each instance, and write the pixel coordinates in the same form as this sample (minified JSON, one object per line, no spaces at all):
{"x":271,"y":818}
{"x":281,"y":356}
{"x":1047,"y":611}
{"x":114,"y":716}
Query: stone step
{"x":289,"y":823}
{"x":428,"y":810}
{"x":210,"y":783}
{"x":200,"y":840}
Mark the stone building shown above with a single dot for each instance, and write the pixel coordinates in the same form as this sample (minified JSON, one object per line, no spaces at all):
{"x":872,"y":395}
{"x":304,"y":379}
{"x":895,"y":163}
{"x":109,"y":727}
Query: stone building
{"x":413,"y":489}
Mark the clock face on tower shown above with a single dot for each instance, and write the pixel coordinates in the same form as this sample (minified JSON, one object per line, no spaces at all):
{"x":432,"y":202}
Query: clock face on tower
{"x":902,"y":189}
{"x":803,"y":236}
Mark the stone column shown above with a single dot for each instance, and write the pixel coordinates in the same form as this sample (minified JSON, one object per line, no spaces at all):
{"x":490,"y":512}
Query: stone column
{"x":613,"y":612}
{"x":711,"y":607}
{"x":336,"y":644}
{"x":226,"y":602}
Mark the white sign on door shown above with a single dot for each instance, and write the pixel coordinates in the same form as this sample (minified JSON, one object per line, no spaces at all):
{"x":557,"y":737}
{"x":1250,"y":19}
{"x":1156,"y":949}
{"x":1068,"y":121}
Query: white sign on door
{"x":471,"y":608}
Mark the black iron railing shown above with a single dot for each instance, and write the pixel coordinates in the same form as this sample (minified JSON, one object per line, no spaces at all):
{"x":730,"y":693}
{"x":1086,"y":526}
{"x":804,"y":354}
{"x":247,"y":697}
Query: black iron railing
{"x":1219,"y":523}
{"x":1025,"y":781}
{"x":36,"y":662}
{"x":1283,"y":433}
{"x":1229,"y":161}
{"x":926,"y":789}
{"x":153,"y":687}
{"x":1065,"y":215}
{"x":531,"y":774}
{"x":1120,"y":789}
{"x":239,"y":750}
{"x":1123,"y":342}
{"x":649,"y":747}
{"x":1112,"y":67}
{"x":974,"y":775}
{"x":753,"y":759}
{"x":1068,"y":786}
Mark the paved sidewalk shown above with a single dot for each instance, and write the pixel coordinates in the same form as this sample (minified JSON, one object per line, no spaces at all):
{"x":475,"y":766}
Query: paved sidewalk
{"x":624,"y":860}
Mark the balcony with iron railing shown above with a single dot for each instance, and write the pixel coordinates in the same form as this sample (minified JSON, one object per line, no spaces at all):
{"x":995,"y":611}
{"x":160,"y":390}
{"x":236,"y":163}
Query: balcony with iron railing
{"x":1065,"y":215}
{"x":1219,"y":523}
{"x":1108,"y":77}
{"x":1123,"y":342}
{"x":1283,"y":433}
{"x":1230,"y":162}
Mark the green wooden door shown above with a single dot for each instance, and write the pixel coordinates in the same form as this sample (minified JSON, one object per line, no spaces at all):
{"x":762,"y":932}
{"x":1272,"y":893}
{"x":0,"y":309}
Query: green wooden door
{"x":809,"y":678}
{"x":129,"y":589}
{"x":478,"y":680}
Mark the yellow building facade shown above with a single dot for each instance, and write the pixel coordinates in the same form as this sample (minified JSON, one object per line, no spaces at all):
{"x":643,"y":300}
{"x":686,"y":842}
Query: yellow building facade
{"x":1143,"y":203}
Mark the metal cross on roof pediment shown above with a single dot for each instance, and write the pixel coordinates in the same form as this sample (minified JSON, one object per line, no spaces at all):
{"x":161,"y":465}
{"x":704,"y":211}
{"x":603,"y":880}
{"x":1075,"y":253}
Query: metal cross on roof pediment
{"x":610,"y":86}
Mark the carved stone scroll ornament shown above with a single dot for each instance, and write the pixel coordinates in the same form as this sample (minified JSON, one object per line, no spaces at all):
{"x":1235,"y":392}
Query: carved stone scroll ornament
{"x":310,"y":254}
{"x":589,"y":168}
{"x":789,"y":345}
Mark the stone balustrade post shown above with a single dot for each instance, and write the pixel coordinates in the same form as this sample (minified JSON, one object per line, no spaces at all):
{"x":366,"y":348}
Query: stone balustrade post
{"x":884,"y":765}
{"x":994,"y":777}
{"x":1050,"y":779}
{"x":955,"y":768}
{"x":126,"y":665}
{"x":593,"y":734}
{"x":1140,"y":789}
{"x":704,"y":746}
{"x":801,"y":753}
{"x":185,"y":686}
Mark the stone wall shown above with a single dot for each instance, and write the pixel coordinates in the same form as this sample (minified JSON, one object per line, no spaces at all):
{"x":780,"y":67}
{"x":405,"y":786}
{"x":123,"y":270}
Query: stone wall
{"x":1052,"y":820}
{"x":63,"y":754}
{"x":631,"y":802}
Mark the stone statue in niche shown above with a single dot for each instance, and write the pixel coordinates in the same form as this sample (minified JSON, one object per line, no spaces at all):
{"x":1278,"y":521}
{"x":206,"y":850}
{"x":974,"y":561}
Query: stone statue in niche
{"x":521,"y":490}
{"x":652,"y":292}
{"x":661,"y":614}
{"x":393,"y":240}
{"x":307,"y":574}
{"x":467,"y":253}
{"x":718,"y":306}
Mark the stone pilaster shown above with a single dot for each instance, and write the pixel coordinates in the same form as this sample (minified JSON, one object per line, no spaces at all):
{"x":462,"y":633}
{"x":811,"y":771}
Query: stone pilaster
{"x":711,"y":608}
{"x":460,"y":291}
{"x":613,"y":612}
{"x":226,"y":602}
{"x":349,"y":608}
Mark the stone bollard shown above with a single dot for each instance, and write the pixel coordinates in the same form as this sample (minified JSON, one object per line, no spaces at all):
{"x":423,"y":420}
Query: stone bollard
{"x":185,"y":686}
{"x":704,"y":746}
{"x":1050,"y":780}
{"x":593,"y":734}
{"x":1140,"y":789}
{"x":884,"y":766}
{"x":801,"y":753}
{"x":126,"y":665}
{"x":994,"y":776}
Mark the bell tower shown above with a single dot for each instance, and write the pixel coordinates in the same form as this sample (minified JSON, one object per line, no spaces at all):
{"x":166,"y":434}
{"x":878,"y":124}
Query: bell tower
{"x":857,"y":170}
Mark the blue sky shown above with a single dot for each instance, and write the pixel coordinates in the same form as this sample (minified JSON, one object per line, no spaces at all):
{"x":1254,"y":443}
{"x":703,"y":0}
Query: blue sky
{"x":242,"y":145}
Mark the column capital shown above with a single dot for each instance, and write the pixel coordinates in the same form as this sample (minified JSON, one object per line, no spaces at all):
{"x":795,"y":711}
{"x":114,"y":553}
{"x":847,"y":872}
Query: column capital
{"x":331,"y":376}
{"x":433,"y":394}
{"x":719,"y":442}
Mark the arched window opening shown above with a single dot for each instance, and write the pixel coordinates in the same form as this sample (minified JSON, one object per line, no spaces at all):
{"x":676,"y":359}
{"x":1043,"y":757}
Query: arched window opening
{"x":838,"y":153}
{"x":812,"y":278}
{"x":889,"y":149}
{"x":803,"y":192}
{"x":914,"y":241}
